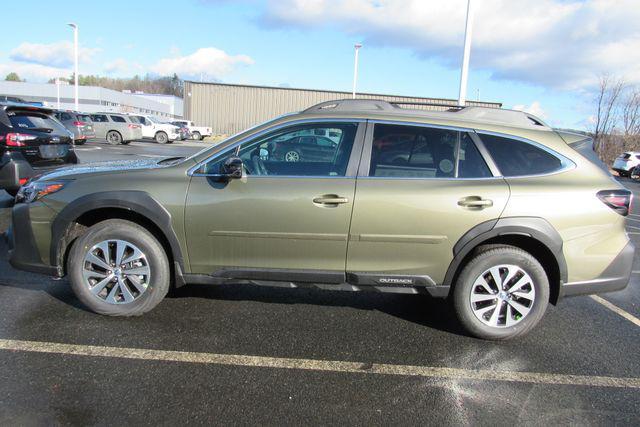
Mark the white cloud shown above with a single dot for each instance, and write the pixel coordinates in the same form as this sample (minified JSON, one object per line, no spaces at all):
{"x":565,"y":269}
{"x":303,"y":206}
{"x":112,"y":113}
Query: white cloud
{"x":535,"y":108}
{"x":123,"y":67}
{"x":58,"y":54}
{"x":208,"y":61}
{"x":554,"y":43}
{"x":32,"y":72}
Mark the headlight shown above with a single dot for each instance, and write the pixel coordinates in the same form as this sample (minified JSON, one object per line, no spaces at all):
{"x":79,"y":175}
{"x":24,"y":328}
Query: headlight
{"x":37,"y":189}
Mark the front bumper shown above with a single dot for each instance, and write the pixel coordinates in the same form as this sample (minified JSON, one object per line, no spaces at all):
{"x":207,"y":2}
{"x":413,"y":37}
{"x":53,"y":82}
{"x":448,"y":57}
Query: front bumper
{"x":23,"y":251}
{"x":614,"y":278}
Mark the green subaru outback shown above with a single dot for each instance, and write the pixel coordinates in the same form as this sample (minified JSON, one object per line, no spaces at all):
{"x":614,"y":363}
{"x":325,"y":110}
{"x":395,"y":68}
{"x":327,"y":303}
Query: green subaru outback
{"x":489,"y":208}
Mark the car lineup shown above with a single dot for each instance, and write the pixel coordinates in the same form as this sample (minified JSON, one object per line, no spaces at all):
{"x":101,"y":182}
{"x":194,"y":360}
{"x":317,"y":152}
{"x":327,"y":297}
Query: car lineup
{"x":490,"y":209}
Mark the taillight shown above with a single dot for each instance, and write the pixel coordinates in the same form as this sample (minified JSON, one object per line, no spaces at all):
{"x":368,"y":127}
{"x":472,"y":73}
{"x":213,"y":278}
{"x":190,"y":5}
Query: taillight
{"x":618,"y":200}
{"x":18,"y":139}
{"x":79,"y":124}
{"x":132,"y":126}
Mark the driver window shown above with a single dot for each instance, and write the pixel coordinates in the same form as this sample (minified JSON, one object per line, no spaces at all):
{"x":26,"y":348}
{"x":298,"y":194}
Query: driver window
{"x":294,"y":151}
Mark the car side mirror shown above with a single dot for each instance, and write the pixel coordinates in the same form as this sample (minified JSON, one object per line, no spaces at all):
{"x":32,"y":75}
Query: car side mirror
{"x":232,"y":168}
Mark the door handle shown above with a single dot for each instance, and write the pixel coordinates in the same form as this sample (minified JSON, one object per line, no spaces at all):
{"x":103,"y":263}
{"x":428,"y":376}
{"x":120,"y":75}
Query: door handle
{"x":330,"y":199}
{"x":475,"y":202}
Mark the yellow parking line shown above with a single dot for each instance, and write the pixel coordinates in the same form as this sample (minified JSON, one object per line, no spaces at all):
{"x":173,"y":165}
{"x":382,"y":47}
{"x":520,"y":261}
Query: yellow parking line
{"x":616,"y":309}
{"x":318,"y":365}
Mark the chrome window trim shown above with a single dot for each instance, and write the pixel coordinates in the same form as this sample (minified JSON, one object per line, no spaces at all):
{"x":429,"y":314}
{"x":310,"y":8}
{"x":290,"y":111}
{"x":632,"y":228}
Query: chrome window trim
{"x":566,"y":163}
{"x":237,"y":144}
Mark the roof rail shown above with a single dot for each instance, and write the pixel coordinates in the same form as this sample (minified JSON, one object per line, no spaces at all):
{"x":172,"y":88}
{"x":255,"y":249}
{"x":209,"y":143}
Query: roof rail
{"x":451,"y":112}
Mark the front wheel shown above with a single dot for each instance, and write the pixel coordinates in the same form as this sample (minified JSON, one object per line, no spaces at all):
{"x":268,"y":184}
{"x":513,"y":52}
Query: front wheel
{"x":501,"y":293}
{"x":118,"y":268}
{"x":161,"y":138}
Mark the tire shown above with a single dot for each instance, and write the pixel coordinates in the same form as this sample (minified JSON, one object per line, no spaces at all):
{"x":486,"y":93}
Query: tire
{"x":196,"y":135}
{"x":12,"y":193}
{"x":79,"y":142}
{"x":161,"y":138}
{"x":114,"y":137}
{"x":148,"y":288}
{"x":533,"y":293}
{"x":126,"y":142}
{"x":292,"y":156}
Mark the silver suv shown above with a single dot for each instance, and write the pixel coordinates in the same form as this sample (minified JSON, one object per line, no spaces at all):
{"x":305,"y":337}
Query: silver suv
{"x":116,"y":128}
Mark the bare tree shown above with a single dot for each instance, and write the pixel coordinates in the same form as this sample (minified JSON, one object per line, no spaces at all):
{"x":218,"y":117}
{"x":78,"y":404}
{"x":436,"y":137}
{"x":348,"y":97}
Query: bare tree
{"x":607,"y":100}
{"x":631,"y":113}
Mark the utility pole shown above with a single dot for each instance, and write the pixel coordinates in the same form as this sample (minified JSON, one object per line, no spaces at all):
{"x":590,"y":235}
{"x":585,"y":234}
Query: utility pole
{"x":464,"y":72}
{"x":355,"y":70}
{"x":75,"y":56}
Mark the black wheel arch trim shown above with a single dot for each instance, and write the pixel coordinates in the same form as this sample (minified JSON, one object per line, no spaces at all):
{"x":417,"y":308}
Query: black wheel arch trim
{"x":139,"y":202}
{"x":534,"y":227}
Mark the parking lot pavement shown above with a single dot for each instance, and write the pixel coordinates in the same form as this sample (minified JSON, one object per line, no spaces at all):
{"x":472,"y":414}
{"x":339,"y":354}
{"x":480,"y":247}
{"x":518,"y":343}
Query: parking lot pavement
{"x":279,"y":356}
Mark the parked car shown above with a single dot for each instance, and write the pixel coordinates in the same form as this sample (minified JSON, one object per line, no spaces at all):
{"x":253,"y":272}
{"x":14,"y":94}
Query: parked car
{"x":115,"y":128}
{"x":307,"y":147}
{"x":625,"y":162}
{"x":156,"y":129}
{"x":31,"y":141}
{"x":79,"y":124}
{"x":11,"y":98}
{"x":510,"y":217}
{"x":197,"y":132}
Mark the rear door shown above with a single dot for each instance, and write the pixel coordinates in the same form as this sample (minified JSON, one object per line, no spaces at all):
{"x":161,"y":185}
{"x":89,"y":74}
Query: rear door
{"x":420,"y":189}
{"x":100,"y":122}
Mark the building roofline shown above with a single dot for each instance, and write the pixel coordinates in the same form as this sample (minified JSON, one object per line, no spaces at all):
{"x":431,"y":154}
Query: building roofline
{"x":452,"y":102}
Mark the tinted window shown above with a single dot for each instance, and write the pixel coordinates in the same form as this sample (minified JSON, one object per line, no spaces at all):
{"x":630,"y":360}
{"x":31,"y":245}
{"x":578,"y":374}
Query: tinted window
{"x":33,"y":120}
{"x":99,"y":118}
{"x":66,"y":116}
{"x":118,"y":119}
{"x":519,"y":158}
{"x":423,"y":152}
{"x":284,"y":153}
{"x":84,"y":118}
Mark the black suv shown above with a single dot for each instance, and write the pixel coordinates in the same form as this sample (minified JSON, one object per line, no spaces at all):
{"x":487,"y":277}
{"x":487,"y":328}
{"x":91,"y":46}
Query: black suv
{"x":31,"y":141}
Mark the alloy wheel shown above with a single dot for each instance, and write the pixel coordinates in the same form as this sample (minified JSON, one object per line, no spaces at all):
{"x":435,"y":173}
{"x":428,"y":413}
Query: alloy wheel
{"x":502,"y":296}
{"x":116,"y":271}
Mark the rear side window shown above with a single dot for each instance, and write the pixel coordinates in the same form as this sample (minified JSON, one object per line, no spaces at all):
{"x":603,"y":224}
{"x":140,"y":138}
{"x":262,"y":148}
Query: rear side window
{"x":400,"y":151}
{"x":118,"y":119}
{"x":100,"y":118}
{"x":35,"y":121}
{"x":518,"y":158}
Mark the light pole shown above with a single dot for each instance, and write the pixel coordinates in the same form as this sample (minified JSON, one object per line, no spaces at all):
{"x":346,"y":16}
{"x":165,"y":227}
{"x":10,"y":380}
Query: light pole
{"x":58,"y":92}
{"x":357,"y":47}
{"x":464,"y":73}
{"x":75,"y":56}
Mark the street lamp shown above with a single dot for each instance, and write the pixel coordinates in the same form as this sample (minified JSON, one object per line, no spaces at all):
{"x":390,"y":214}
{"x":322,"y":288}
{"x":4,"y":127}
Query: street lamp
{"x":464,"y":72}
{"x":75,"y":56}
{"x":357,"y":47}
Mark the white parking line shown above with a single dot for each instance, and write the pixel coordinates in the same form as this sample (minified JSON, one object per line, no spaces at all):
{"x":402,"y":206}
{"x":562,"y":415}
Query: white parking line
{"x":630,"y":317}
{"x":318,"y":365}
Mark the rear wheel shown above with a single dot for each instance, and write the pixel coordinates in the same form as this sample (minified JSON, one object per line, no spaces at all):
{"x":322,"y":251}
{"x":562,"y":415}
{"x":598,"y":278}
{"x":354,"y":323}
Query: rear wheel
{"x":114,"y":137}
{"x":118,"y":268}
{"x":292,"y":156}
{"x":162,"y":138}
{"x":196,"y":135}
{"x":501,"y":293}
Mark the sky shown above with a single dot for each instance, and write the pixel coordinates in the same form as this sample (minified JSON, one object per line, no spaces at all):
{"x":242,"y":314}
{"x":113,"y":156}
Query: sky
{"x":544,"y":57}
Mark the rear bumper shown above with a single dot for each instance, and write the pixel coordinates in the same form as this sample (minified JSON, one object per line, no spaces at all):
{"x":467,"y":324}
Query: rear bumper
{"x":23,"y":251}
{"x":615,"y":277}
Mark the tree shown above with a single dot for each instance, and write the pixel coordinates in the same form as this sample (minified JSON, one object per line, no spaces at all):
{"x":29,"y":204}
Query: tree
{"x":607,"y":103}
{"x":12,"y":77}
{"x":631,"y":113}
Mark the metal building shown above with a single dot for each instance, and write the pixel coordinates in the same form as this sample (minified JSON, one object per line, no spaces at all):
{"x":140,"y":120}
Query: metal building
{"x":230,"y":108}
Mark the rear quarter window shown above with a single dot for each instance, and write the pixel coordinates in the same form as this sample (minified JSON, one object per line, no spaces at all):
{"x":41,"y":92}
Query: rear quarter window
{"x":518,"y":158}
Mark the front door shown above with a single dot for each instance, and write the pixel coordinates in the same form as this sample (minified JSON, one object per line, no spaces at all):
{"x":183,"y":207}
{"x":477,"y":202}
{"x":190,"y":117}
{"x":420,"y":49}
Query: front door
{"x":100,"y":125}
{"x":281,"y":215}
{"x":419,"y":190}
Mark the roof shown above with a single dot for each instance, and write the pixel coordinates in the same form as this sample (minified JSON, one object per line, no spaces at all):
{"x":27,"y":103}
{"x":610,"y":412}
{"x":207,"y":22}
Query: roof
{"x":469,"y":114}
